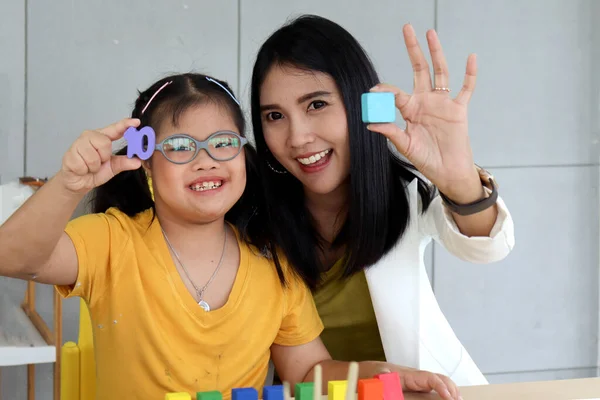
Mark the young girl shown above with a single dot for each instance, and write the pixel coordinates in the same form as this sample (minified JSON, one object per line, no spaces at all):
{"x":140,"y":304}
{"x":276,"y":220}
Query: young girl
{"x":179,"y":297}
{"x":352,"y":217}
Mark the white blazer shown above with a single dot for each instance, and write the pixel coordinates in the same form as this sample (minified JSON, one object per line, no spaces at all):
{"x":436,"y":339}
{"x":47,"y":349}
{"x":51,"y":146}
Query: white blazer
{"x":414,"y":332}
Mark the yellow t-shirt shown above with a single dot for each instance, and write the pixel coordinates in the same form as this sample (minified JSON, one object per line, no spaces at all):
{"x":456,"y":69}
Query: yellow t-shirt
{"x":150,"y":335}
{"x":351,"y":332}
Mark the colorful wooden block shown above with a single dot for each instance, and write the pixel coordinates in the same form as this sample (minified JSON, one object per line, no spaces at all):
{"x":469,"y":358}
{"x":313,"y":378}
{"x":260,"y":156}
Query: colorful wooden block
{"x":392,"y":388}
{"x":274,"y":392}
{"x":370,"y":389}
{"x":304,"y":391}
{"x":244,"y":394}
{"x":378,"y":107}
{"x":178,"y":396}
{"x":336,"y":390}
{"x":212,"y":395}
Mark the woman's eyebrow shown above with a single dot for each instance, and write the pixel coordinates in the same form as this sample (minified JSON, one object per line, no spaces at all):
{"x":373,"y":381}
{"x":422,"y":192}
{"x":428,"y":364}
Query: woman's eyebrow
{"x":312,"y":95}
{"x":301,"y":99}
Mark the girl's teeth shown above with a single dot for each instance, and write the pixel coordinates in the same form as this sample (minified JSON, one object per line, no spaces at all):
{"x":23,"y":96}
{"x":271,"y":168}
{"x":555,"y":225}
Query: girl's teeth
{"x":206,"y":186}
{"x":314,"y":158}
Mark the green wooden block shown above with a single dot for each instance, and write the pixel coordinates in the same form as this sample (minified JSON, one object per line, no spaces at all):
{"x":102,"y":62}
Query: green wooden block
{"x":213,"y":395}
{"x":304,"y":391}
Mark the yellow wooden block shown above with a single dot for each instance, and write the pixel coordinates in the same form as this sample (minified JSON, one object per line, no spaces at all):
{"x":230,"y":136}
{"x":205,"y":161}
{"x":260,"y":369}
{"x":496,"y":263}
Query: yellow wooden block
{"x":337,"y":390}
{"x":178,"y":396}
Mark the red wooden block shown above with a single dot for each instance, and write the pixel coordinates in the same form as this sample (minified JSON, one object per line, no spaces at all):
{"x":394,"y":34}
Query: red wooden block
{"x":392,"y":388}
{"x":370,"y":389}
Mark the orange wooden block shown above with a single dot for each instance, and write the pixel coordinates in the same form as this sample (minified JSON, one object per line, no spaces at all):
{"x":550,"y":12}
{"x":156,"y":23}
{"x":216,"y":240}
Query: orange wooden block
{"x":370,"y":389}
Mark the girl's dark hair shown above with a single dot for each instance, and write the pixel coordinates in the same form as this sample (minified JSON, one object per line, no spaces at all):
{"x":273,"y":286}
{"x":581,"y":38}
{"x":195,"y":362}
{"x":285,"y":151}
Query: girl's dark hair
{"x":129,"y":191}
{"x":378,"y":204}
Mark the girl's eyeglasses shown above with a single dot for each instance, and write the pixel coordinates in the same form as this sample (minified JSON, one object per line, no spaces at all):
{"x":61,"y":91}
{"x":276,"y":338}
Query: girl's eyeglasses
{"x":220,"y":146}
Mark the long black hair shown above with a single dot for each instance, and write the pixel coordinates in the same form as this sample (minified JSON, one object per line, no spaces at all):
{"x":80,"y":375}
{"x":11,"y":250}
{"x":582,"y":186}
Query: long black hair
{"x":129,"y":191}
{"x":378,"y":204}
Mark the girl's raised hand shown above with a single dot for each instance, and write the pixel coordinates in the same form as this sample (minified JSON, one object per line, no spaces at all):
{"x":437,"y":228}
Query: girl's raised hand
{"x":90,"y":162}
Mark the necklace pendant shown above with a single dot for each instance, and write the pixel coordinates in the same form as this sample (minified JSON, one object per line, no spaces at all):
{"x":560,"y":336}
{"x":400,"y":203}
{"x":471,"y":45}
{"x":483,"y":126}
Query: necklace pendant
{"x":204,"y":305}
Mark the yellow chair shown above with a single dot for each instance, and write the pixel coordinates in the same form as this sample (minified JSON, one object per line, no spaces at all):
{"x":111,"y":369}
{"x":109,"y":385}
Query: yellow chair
{"x":78,"y":368}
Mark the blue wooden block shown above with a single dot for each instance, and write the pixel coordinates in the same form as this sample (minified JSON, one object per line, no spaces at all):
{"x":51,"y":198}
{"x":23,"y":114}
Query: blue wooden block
{"x":244,"y":394}
{"x":273,"y":392}
{"x":378,"y":107}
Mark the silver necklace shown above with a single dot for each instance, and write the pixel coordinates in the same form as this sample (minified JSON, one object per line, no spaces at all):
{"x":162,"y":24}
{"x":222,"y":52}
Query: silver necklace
{"x":199,"y":292}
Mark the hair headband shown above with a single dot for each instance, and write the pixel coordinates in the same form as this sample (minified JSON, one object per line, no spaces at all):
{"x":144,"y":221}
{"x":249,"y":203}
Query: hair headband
{"x":154,"y":95}
{"x":169,"y":82}
{"x":225,"y":89}
{"x":135,"y":138}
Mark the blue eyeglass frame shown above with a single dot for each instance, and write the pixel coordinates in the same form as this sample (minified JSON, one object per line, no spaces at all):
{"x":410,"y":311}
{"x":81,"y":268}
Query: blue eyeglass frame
{"x":201,"y":145}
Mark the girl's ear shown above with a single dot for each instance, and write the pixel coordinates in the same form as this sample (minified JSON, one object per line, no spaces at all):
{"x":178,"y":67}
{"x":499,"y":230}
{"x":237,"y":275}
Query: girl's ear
{"x":147,"y":168}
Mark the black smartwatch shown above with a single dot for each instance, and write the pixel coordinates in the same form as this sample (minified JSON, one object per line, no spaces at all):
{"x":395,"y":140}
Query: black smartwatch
{"x":488,"y":181}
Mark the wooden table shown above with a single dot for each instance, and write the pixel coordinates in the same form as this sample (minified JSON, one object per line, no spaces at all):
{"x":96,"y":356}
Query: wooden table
{"x":571,"y":389}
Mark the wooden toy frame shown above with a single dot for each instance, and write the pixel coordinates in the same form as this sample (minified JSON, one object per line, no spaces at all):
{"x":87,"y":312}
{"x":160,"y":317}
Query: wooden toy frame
{"x":50,"y":337}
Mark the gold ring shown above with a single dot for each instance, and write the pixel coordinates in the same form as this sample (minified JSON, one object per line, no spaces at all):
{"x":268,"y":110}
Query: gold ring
{"x":441,"y":89}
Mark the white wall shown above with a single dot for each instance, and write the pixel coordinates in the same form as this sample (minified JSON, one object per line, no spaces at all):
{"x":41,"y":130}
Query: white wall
{"x":595,"y":100}
{"x":535,"y":122}
{"x":12,"y":88}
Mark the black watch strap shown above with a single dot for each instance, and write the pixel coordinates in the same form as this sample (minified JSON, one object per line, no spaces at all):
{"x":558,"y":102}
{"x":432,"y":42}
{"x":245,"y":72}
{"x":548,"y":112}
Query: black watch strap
{"x":477,"y":206}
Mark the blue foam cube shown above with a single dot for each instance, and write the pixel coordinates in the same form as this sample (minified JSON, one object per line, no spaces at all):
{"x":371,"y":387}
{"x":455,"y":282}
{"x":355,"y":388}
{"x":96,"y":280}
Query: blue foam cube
{"x":378,"y":107}
{"x":244,"y":394}
{"x":273,"y":392}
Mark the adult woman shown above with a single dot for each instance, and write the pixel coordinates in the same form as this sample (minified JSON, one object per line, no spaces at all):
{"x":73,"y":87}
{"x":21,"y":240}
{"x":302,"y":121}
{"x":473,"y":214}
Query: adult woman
{"x":351,"y":216}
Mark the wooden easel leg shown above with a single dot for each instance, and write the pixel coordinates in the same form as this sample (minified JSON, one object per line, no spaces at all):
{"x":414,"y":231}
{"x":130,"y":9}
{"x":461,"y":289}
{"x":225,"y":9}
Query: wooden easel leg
{"x":30,"y":307}
{"x":52,"y":338}
{"x":31,"y":382}
{"x":57,"y":343}
{"x":30,"y":297}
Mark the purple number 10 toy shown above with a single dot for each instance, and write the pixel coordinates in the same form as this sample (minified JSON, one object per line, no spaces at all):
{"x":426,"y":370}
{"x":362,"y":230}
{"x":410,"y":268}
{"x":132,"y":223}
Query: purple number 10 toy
{"x":135,"y":142}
